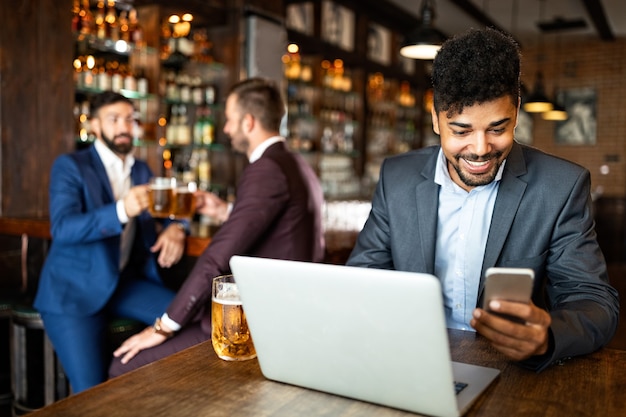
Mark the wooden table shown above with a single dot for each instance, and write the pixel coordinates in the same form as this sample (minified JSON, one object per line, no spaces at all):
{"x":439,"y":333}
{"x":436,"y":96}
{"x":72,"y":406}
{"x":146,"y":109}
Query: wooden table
{"x":196,"y":383}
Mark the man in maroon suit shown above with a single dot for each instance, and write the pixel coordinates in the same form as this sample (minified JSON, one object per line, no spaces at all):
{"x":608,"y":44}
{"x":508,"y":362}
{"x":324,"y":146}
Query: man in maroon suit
{"x":277,"y":214}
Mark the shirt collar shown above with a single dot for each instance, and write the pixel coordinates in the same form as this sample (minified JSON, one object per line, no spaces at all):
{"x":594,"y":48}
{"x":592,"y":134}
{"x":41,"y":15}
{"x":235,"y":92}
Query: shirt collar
{"x":259,"y":150}
{"x":442,"y":175}
{"x":111,"y":160}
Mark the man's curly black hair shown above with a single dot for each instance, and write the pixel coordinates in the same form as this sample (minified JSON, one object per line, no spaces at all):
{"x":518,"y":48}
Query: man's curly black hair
{"x":475,"y":67}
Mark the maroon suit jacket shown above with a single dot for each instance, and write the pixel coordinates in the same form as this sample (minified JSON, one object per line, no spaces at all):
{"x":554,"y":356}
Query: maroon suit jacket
{"x":277,"y":214}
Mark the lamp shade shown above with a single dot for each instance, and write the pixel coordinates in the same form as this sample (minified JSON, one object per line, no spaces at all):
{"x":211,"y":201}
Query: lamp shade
{"x":422,"y":43}
{"x":537,"y":101}
{"x":425,"y":41}
{"x":558,"y":112}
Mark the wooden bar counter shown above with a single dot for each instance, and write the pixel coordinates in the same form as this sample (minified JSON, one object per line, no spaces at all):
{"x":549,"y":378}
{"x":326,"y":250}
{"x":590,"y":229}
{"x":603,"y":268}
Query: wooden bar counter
{"x":195,"y":382}
{"x":338,"y":243}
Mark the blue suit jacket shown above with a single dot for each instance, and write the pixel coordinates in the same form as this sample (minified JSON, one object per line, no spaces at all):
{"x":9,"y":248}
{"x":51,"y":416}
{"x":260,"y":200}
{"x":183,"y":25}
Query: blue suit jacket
{"x":81,"y":271}
{"x":542,"y":219}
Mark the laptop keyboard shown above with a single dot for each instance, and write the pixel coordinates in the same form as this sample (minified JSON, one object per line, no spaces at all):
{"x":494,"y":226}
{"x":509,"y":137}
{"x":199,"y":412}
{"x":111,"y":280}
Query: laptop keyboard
{"x":459,"y":386}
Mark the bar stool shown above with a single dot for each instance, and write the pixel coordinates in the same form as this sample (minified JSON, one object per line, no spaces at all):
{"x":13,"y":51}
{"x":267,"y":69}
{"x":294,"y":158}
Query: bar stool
{"x":34,"y":363}
{"x":5,"y":362}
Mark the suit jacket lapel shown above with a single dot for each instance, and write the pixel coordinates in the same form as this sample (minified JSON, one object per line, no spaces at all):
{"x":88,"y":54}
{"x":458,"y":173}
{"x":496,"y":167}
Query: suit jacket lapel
{"x":99,"y":181}
{"x":427,"y":199}
{"x":510,"y":193}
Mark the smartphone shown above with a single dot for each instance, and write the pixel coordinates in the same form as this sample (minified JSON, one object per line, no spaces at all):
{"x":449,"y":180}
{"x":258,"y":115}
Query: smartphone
{"x":510,"y":284}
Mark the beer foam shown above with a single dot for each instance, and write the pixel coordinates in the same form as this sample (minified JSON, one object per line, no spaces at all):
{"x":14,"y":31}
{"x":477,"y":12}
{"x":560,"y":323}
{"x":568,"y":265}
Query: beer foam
{"x":227,"y":293}
{"x":227,"y":302}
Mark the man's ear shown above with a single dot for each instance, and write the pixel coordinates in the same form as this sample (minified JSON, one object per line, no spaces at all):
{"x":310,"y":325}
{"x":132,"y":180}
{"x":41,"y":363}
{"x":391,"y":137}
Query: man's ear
{"x":435,"y":118}
{"x":94,"y":125}
{"x":248,"y":122}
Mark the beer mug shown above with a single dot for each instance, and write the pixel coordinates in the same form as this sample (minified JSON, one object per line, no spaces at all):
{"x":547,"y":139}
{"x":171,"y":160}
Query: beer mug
{"x":184,"y":201}
{"x":161,"y":196}
{"x":230,"y":334}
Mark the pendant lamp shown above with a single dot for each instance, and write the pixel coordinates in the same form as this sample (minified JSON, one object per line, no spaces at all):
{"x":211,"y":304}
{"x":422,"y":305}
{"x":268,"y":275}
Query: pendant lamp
{"x":538,"y":102}
{"x":558,"y":112}
{"x":425,"y":41}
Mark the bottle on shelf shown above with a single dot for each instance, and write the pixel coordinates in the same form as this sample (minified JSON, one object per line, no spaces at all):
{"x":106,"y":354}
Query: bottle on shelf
{"x":184,"y":131}
{"x":86,"y":19}
{"x":124,"y":27}
{"x":204,"y":169}
{"x":171,"y":129}
{"x":100,"y":23}
{"x":112,"y":27}
{"x":135,"y":31}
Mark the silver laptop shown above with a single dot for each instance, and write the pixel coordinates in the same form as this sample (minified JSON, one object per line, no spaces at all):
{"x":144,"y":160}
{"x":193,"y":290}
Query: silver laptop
{"x":369,"y":334}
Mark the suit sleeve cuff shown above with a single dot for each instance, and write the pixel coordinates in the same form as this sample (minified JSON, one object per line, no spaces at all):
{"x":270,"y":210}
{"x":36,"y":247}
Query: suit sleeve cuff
{"x":121,"y":212}
{"x":171,"y":324}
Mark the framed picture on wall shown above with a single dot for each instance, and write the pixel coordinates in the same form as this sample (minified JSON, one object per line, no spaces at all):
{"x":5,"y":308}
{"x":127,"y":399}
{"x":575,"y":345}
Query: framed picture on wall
{"x":580,"y":126}
{"x":300,"y":17}
{"x":338,"y":25}
{"x":379,"y":44}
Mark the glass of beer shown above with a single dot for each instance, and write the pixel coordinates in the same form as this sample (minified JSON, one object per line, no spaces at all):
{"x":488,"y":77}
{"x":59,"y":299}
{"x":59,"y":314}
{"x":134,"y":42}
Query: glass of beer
{"x":184,"y":202}
{"x":230,"y":334}
{"x":162,"y":196}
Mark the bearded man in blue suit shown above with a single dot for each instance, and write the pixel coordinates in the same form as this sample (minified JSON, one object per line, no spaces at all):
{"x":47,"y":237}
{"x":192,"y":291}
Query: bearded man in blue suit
{"x":103,"y":258}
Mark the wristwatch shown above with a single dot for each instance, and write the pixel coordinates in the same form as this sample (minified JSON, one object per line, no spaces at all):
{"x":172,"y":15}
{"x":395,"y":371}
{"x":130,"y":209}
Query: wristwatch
{"x":158,"y":328}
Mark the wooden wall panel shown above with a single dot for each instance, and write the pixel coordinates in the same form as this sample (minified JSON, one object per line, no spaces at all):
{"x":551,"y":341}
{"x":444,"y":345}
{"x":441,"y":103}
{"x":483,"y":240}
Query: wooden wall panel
{"x":36,"y":100}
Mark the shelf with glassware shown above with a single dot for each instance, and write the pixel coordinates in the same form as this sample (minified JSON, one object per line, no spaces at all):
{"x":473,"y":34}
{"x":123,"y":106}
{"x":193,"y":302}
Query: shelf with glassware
{"x":101,"y":67}
{"x":110,"y":54}
{"x":392,"y":123}
{"x":189,"y":139}
{"x":323,"y":122}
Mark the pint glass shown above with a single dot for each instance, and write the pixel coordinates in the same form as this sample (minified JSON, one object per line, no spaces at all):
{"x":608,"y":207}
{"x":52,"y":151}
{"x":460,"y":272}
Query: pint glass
{"x":162,"y":196}
{"x":230,"y":334}
{"x":184,"y":203}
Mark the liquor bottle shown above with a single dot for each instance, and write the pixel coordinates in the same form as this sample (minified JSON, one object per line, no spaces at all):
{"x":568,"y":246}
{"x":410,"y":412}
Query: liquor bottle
{"x":76,"y":19}
{"x":204,"y":169}
{"x":171,"y":130}
{"x":87,"y":20}
{"x":134,"y":28}
{"x":184,"y":130}
{"x":112,"y":28}
{"x":101,"y":31}
{"x":198,"y":127}
{"x":142,"y":82}
{"x":124,"y":26}
{"x":130,"y":81}
{"x":208,"y":127}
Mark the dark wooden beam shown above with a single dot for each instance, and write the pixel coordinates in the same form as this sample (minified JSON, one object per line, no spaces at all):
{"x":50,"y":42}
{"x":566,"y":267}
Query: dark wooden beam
{"x":600,"y":21}
{"x":470,"y":9}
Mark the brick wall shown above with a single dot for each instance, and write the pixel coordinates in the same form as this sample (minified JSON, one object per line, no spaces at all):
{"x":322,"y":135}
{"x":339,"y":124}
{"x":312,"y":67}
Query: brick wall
{"x":585,"y":63}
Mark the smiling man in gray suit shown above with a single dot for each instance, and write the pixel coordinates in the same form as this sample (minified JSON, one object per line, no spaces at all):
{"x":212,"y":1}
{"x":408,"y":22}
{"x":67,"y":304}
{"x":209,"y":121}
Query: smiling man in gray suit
{"x":481,"y":200}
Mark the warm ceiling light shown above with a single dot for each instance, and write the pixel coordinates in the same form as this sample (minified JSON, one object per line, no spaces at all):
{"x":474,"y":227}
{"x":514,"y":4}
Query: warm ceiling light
{"x":187,"y":17}
{"x":174,"y":19}
{"x":557,"y":114}
{"x":425,"y":41}
{"x":537,"y":101}
{"x":292,"y":48}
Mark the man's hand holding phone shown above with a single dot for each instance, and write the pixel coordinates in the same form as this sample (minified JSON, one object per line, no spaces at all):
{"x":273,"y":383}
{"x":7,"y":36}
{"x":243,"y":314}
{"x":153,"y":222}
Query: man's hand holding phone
{"x":509,"y":319}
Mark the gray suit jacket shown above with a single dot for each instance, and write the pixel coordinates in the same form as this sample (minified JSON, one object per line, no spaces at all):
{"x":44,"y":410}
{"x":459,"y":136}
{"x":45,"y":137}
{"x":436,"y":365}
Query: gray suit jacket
{"x":542,"y":219}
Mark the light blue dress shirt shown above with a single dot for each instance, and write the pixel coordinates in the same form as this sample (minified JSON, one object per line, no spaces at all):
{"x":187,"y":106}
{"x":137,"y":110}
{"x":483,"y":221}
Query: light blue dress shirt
{"x":462,"y":229}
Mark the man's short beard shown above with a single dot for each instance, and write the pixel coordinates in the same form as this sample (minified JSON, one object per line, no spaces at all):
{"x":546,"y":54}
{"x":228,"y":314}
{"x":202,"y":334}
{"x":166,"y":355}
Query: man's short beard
{"x":121,"y":149}
{"x":477,"y":180}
